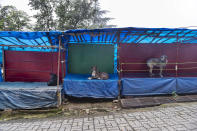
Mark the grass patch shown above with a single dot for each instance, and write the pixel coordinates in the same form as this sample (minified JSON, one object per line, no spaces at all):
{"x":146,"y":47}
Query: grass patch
{"x":29,"y":114}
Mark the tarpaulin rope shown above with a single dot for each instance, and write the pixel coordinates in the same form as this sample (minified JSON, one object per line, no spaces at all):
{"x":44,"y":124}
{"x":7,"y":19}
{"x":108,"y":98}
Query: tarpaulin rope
{"x":146,"y":70}
{"x":159,"y":69}
{"x":160,"y":63}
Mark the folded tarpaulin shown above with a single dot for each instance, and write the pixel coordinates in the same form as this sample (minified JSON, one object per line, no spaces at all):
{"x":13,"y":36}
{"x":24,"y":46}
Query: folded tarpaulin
{"x":148,"y":86}
{"x":21,"y":95}
{"x":186,"y":85}
{"x":80,"y":86}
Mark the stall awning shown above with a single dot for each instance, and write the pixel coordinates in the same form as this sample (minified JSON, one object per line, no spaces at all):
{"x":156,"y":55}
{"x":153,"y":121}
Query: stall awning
{"x":133,"y":35}
{"x":103,"y":36}
{"x":29,"y":38}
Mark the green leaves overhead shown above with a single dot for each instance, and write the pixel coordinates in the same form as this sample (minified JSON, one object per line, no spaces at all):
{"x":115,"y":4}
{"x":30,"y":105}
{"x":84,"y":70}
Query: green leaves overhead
{"x":55,"y":15}
{"x":12,"y":19}
{"x":44,"y":17}
{"x":68,"y":14}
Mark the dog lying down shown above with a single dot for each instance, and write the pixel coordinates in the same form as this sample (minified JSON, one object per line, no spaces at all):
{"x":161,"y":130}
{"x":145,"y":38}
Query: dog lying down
{"x":157,"y":62}
{"x":53,"y":80}
{"x":98,"y":75}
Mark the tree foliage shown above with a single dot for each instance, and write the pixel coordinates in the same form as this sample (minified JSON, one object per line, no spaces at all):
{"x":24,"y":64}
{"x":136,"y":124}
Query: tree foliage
{"x":13,"y":19}
{"x":73,"y":14}
{"x":55,"y":15}
{"x":68,"y":14}
{"x":98,"y":20}
{"x":45,"y":16}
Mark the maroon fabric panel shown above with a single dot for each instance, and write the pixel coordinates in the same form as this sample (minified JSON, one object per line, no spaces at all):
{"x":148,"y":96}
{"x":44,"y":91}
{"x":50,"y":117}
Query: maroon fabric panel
{"x":28,"y":66}
{"x":26,"y":76}
{"x":188,"y":55}
{"x":55,"y":64}
{"x":140,"y":53}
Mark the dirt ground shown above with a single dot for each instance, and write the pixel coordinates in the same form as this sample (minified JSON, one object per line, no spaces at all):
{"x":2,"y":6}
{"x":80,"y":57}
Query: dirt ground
{"x":72,"y":108}
{"x":84,"y":107}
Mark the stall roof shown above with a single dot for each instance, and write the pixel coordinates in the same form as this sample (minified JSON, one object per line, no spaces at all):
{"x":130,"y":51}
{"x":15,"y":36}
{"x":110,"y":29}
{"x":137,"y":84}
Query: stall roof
{"x":133,"y":35}
{"x":105,"y":36}
{"x":29,"y":38}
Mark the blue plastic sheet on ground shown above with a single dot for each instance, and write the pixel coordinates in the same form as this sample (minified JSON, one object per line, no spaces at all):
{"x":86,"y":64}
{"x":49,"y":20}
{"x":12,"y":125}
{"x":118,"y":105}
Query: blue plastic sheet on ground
{"x":80,"y":86}
{"x":186,"y":85}
{"x":148,"y":86}
{"x":19,"y":95}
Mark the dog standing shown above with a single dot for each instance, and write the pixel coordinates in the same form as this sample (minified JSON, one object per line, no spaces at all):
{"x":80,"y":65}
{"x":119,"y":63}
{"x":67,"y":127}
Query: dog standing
{"x":98,"y":75}
{"x":157,"y":62}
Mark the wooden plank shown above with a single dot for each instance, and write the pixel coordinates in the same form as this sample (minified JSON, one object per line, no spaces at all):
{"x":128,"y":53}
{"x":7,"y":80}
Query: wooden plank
{"x":139,"y":102}
{"x":182,"y":99}
{"x":164,"y":99}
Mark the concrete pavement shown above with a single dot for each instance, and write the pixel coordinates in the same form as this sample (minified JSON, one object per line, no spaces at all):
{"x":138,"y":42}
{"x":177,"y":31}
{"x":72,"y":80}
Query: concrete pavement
{"x":180,"y":118}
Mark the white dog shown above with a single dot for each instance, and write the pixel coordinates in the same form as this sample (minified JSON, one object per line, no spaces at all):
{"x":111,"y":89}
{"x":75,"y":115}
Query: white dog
{"x":157,"y":62}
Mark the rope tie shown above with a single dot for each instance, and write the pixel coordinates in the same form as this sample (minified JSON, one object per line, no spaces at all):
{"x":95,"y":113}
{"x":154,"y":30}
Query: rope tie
{"x":160,"y":63}
{"x":173,"y":69}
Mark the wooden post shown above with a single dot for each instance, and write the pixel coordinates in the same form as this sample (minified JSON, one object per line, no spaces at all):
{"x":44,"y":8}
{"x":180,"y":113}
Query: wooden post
{"x":58,"y":75}
{"x":62,"y":62}
{"x":177,"y":50}
{"x":119,"y":73}
{"x":62,"y":69}
{"x":118,"y":61}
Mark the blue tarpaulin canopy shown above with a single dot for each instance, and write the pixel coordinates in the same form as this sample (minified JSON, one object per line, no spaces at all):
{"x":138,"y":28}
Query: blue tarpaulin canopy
{"x":29,"y":38}
{"x":106,"y":35}
{"x":132,"y":35}
{"x":95,"y":36}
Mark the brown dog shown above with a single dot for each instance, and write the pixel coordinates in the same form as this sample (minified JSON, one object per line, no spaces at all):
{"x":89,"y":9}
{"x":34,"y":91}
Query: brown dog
{"x":98,"y":75}
{"x":157,"y":62}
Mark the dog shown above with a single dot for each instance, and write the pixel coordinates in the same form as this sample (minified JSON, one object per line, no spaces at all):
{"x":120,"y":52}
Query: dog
{"x":53,"y":80}
{"x":157,"y":62}
{"x":98,"y":75}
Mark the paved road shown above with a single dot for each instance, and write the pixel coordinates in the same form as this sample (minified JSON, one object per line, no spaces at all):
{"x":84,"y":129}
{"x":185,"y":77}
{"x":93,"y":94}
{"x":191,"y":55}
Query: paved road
{"x":182,"y":117}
